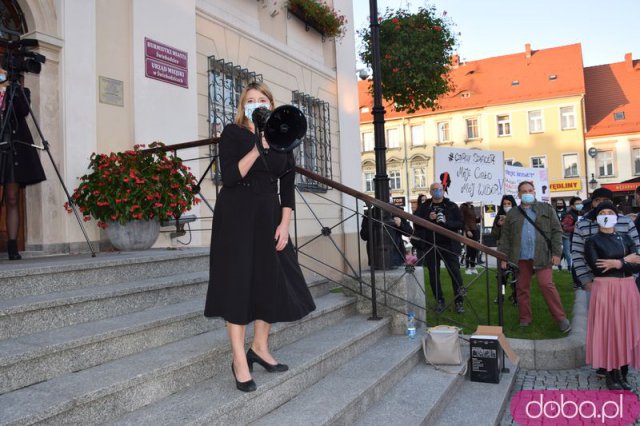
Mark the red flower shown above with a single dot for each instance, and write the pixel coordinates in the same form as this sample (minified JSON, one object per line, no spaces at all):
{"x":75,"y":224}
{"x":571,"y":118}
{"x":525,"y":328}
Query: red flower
{"x":395,"y":20}
{"x":437,"y":28}
{"x":86,"y":218}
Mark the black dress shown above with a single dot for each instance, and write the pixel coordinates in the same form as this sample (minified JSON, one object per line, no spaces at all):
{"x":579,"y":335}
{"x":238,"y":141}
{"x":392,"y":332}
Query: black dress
{"x":19,"y":163}
{"x":248,"y":278}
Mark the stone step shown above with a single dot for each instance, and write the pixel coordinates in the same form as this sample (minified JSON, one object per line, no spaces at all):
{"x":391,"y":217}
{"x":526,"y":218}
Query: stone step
{"x":114,"y":388}
{"x":60,"y":273}
{"x":41,"y":356}
{"x":31,"y":314}
{"x":349,"y":391}
{"x":473,"y":401}
{"x":217,"y":402}
{"x":414,"y":398}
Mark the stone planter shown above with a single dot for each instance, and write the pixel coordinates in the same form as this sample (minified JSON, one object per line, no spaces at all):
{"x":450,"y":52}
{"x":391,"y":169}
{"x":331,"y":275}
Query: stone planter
{"x":134,"y":235}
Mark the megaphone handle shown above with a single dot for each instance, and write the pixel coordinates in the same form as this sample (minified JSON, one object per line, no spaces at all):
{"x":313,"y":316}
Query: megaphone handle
{"x":262,"y":150}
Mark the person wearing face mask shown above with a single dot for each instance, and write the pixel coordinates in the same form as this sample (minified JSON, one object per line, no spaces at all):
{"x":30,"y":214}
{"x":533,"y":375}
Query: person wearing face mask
{"x":532,"y":239}
{"x":506,"y":204}
{"x":561,"y":211}
{"x":252,"y":216}
{"x":445,"y":213}
{"x":613,"y":329}
{"x":19,"y":163}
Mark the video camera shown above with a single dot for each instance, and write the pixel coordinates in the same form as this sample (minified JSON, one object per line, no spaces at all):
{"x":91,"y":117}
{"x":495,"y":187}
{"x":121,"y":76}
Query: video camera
{"x":440,"y":213}
{"x":19,"y":57}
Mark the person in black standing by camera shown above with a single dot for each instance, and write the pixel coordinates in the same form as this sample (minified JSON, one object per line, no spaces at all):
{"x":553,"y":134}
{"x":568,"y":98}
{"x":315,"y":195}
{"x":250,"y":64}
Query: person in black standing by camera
{"x":19,"y":163}
{"x":445,"y":213}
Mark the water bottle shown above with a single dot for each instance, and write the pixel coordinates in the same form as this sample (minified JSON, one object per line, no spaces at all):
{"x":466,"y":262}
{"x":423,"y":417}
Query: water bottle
{"x":411,"y":325}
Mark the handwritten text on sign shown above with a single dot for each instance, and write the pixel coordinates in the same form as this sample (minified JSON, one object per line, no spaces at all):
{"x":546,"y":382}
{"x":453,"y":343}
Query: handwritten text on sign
{"x":472,"y":175}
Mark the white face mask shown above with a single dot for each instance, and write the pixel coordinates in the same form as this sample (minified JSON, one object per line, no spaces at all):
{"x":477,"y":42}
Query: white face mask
{"x":607,"y":220}
{"x":506,"y":209}
{"x":250,"y":107}
{"x":3,"y":78}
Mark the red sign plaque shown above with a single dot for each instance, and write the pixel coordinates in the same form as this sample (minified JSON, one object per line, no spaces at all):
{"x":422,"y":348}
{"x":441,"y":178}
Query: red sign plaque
{"x":166,"y":63}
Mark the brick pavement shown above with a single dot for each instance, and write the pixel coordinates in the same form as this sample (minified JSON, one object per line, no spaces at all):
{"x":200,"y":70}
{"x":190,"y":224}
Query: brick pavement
{"x":583,"y":378}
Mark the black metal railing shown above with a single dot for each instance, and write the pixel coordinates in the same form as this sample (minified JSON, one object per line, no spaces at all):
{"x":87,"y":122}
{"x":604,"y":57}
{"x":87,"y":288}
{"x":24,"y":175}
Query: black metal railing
{"x":342,"y":262}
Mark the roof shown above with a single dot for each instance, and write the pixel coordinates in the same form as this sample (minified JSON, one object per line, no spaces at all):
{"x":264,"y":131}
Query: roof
{"x":613,"y":88}
{"x":491,"y":81}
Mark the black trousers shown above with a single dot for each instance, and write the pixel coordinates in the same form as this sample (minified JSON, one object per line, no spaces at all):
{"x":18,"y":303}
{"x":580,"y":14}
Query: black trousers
{"x":452,"y":263}
{"x":471,"y":254}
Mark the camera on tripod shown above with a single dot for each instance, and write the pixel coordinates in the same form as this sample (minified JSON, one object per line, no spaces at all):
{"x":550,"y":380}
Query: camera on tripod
{"x":19,"y":58}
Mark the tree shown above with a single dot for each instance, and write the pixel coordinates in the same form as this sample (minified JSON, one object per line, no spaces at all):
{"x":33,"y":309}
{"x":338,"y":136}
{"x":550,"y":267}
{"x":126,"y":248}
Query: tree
{"x":415,"y":52}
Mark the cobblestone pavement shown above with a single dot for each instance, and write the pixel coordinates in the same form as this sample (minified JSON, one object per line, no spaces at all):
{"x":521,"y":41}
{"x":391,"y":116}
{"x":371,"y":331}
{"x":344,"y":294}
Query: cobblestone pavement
{"x":576,"y":379}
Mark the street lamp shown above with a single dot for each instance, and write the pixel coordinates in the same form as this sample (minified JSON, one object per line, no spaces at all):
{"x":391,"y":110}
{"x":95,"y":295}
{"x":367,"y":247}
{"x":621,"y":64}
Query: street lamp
{"x":593,"y":183}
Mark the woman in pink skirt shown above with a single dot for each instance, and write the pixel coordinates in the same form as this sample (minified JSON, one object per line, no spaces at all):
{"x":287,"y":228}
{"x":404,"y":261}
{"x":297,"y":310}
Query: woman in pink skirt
{"x":613,"y":333}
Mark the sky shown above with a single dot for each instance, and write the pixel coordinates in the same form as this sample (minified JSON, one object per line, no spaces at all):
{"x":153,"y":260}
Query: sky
{"x":606,"y":29}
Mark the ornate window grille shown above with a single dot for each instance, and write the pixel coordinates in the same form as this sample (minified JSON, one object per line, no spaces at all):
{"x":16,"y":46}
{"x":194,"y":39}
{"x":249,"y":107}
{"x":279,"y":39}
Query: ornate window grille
{"x":314,"y":153}
{"x":226,"y":82}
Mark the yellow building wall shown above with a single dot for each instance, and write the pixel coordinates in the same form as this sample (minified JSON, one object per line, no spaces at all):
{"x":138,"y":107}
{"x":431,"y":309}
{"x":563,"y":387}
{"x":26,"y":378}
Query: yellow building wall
{"x":520,"y":146}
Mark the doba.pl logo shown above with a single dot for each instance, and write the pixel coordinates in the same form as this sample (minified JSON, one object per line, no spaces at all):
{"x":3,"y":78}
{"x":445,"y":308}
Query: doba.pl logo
{"x":592,"y":407}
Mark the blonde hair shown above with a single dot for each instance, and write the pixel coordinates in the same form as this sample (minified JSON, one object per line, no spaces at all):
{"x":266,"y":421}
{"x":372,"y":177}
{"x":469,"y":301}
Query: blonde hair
{"x":240,"y":119}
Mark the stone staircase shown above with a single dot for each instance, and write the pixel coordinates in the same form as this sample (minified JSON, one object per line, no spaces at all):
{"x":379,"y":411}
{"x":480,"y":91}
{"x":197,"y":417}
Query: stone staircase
{"x":121,"y":339}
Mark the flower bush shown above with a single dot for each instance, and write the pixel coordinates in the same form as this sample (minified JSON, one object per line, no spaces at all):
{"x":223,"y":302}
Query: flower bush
{"x":320,"y":16}
{"x":415,"y":52}
{"x":134,"y":185}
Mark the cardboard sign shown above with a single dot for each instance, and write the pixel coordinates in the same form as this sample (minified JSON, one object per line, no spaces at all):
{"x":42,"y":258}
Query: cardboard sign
{"x":513,"y":175}
{"x":470,"y":174}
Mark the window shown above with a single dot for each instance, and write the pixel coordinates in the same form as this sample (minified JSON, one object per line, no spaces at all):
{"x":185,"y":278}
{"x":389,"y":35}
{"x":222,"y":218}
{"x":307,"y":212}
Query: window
{"x":504,"y":125}
{"x":472,"y":128}
{"x":535,"y":121}
{"x":443,"y":131}
{"x":368,"y":182}
{"x":636,"y":161}
{"x":539,"y":162}
{"x":419,"y":177}
{"x":394,"y":179}
{"x":570,"y":165}
{"x":567,"y":118}
{"x":314,"y":153}
{"x":508,"y":162}
{"x":226,"y":82}
{"x":618,"y":115}
{"x":417,"y":135}
{"x":393,"y":138}
{"x":367,"y":141}
{"x":604,"y":162}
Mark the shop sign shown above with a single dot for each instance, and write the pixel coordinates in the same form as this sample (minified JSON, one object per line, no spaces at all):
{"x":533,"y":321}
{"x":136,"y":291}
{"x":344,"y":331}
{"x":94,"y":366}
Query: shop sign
{"x":566,"y":185}
{"x":621,"y":187}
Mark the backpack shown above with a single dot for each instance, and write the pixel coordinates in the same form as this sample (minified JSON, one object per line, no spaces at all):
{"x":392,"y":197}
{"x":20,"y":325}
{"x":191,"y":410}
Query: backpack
{"x":568,"y":223}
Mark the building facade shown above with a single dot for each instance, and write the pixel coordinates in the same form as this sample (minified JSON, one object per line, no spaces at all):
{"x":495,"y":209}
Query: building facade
{"x":97,"y":92}
{"x":530,"y":105}
{"x":613,"y":127}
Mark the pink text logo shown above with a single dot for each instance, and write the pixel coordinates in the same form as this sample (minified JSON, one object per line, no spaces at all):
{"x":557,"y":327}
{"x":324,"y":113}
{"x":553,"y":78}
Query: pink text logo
{"x":592,"y":407}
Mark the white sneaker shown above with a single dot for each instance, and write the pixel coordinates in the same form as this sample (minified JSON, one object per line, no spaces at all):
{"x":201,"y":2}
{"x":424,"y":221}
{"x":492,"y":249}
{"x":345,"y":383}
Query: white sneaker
{"x":468,"y":271}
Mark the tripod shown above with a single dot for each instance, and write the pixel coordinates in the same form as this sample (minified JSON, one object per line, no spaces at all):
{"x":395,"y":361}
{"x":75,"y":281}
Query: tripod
{"x":8,"y":145}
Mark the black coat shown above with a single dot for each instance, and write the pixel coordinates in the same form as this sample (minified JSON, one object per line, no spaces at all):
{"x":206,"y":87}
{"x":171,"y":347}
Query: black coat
{"x":453,"y":222}
{"x":19,"y":163}
{"x":248,"y":278}
{"x":610,"y":246}
{"x":394,"y":234}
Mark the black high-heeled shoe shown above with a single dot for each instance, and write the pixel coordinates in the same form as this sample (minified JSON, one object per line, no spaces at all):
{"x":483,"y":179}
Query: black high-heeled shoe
{"x":253,"y":357}
{"x":248,"y":386}
{"x":12,"y":250}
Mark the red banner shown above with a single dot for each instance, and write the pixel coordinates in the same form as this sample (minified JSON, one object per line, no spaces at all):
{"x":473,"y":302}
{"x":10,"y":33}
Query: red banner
{"x":621,"y":187}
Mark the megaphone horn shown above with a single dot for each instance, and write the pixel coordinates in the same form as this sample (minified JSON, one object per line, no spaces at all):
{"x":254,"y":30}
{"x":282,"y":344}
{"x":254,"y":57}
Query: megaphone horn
{"x":283,"y":128}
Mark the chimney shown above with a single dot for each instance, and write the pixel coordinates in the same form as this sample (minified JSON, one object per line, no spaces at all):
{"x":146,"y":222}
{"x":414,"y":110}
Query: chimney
{"x":455,"y":61}
{"x":628,"y":61}
{"x":527,"y":50}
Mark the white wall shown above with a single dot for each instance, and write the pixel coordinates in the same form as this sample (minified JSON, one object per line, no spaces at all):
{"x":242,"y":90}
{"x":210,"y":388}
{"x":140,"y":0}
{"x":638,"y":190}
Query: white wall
{"x":348,"y":112}
{"x":163,"y":111}
{"x":78,"y":63}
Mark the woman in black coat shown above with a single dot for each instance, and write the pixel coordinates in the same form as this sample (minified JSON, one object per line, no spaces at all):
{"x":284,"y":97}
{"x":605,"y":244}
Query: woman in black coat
{"x":265,"y":283}
{"x":19,"y":162}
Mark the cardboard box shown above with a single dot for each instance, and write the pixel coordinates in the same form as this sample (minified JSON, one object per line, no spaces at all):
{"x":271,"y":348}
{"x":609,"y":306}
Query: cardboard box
{"x":487,"y":345}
